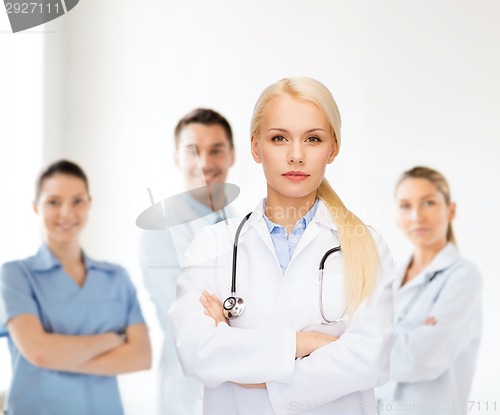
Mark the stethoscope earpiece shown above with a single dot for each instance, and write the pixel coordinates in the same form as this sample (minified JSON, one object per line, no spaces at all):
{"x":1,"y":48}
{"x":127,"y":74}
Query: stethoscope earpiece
{"x":233,"y":307}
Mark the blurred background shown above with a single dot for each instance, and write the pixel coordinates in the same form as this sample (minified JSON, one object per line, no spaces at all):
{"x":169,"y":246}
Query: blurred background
{"x":416,"y":81}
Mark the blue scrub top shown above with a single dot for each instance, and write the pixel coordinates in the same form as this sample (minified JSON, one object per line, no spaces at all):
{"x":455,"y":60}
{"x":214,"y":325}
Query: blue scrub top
{"x":106,"y":303}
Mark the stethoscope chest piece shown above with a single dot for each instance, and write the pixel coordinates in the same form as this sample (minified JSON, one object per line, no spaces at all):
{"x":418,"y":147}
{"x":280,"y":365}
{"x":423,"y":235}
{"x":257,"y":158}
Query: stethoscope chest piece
{"x":233,"y":306}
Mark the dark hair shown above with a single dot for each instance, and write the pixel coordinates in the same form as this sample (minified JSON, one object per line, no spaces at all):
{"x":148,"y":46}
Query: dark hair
{"x":203,"y":116}
{"x":65,"y":167}
{"x":438,"y":180}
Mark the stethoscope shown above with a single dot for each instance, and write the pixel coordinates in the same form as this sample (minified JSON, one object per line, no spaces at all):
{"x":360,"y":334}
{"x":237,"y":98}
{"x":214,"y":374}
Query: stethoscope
{"x":234,"y":306}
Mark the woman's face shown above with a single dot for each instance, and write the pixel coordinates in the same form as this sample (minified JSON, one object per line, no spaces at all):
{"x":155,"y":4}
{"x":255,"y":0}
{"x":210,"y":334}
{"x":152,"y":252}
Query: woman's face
{"x":294,"y":145}
{"x":63,"y":207}
{"x":423,"y":214}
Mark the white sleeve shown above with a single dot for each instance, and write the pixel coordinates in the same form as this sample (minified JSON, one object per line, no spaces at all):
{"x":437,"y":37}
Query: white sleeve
{"x":358,"y":361}
{"x":425,"y":352}
{"x":219,"y":354}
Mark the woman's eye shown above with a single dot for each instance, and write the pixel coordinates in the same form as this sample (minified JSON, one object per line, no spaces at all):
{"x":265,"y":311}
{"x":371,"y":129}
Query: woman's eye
{"x":429,"y":203}
{"x":278,"y":138}
{"x":53,"y":202}
{"x":78,"y":201}
{"x":404,"y":206}
{"x":313,"y":139}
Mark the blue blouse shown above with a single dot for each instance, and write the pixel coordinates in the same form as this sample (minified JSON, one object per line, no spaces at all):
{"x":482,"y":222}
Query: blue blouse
{"x":283,"y":244}
{"x":107,"y":302}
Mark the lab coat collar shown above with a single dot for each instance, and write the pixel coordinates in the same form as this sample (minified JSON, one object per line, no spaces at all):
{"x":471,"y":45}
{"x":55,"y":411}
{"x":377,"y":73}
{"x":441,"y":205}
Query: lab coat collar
{"x":256,"y":220}
{"x":45,"y":260}
{"x":322,"y":217}
{"x":443,"y":260}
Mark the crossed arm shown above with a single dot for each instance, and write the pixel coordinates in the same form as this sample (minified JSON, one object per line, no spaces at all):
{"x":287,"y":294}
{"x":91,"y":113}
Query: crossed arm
{"x":106,"y":354}
{"x":306,"y":342}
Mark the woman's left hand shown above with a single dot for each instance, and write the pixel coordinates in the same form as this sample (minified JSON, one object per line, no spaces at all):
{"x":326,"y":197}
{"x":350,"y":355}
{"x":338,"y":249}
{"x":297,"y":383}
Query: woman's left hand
{"x":213,"y":307}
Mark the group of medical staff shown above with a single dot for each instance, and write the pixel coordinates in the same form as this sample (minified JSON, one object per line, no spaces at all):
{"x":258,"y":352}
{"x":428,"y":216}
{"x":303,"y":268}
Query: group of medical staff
{"x":295,"y":307}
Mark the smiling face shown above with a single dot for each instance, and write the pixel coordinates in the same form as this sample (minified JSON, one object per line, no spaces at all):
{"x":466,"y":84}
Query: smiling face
{"x":294,"y":143}
{"x":423,"y":214}
{"x":205,"y":154}
{"x":63,"y":206}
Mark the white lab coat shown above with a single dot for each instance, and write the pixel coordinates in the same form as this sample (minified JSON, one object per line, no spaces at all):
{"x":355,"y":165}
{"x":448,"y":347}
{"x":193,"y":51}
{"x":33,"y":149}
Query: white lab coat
{"x":432,"y":366}
{"x":259,"y":346}
{"x":161,"y":255}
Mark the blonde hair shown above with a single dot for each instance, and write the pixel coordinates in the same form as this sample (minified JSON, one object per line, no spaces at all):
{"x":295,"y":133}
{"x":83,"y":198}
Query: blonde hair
{"x":361,"y":260}
{"x":438,"y":180}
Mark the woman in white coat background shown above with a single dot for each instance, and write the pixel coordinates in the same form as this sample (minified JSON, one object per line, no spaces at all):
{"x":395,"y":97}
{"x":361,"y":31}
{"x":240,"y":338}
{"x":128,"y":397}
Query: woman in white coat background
{"x":278,"y":356}
{"x":437,"y":305}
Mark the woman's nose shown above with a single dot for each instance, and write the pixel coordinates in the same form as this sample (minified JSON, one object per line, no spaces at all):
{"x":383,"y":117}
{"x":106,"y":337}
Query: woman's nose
{"x":66,"y":210}
{"x":296,"y":154}
{"x":416,"y":213}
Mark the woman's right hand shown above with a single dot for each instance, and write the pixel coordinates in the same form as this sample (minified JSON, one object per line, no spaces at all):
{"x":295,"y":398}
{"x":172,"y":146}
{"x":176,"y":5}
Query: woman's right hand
{"x":213,"y":307}
{"x":309,"y":341}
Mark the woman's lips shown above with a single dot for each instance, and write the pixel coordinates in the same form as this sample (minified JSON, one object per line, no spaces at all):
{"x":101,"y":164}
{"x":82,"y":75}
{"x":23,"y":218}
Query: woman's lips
{"x":66,"y":227}
{"x":420,"y":231}
{"x":295,"y":176}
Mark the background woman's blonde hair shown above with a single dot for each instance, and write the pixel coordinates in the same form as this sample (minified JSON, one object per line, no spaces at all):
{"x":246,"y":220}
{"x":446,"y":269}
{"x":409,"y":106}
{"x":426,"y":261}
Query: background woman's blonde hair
{"x":360,"y":255}
{"x":438,"y":180}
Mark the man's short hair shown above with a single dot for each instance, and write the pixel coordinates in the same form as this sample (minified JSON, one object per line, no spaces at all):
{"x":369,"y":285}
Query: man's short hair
{"x":203,"y":116}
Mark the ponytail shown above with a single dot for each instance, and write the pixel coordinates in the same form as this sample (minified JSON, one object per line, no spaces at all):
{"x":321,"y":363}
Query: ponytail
{"x":361,"y":260}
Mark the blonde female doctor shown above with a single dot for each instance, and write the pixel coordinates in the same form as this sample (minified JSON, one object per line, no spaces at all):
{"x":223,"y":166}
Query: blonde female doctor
{"x":438,"y":305}
{"x":300,"y":345}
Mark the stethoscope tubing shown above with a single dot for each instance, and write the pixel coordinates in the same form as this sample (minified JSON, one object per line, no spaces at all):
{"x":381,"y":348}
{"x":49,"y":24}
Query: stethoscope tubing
{"x":321,"y":270}
{"x":236,"y":299}
{"x":235,"y":253}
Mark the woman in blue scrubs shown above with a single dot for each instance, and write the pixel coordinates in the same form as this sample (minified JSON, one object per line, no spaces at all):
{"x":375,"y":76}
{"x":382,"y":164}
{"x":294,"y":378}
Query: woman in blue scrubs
{"x":73,"y":323}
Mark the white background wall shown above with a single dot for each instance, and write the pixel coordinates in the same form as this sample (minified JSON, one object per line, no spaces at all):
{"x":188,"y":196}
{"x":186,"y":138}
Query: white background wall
{"x":416,"y":82}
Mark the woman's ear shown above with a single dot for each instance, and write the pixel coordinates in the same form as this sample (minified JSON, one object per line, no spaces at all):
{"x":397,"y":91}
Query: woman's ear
{"x":452,"y":211}
{"x":333,"y":152}
{"x":255,"y":150}
{"x":35,"y":208}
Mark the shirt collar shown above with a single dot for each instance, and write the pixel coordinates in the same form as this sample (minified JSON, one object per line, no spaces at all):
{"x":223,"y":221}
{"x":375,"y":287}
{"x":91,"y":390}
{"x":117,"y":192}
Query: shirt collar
{"x":322,"y":216}
{"x":305,"y":220}
{"x":45,"y":260}
{"x":198,"y":207}
{"x":204,"y":211}
{"x":444,"y":259}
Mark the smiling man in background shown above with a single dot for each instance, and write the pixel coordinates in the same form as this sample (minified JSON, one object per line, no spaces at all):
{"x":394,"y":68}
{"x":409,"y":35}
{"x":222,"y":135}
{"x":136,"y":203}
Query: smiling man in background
{"x":204,"y":154}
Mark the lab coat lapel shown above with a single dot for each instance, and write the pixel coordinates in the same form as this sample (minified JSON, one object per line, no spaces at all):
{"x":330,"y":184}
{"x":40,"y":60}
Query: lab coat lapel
{"x":310,"y":233}
{"x":256,"y":222}
{"x":443,"y":260}
{"x":321,"y":218}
